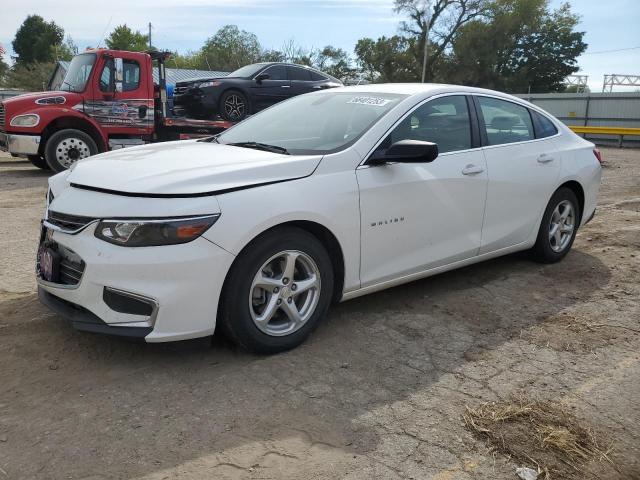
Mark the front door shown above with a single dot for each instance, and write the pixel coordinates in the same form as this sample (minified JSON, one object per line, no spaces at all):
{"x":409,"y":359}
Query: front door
{"x":416,"y":216}
{"x":122,"y":103}
{"x":271,"y":90}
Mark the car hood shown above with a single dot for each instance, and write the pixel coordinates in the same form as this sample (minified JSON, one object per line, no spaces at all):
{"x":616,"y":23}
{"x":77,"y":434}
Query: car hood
{"x":187,"y":168}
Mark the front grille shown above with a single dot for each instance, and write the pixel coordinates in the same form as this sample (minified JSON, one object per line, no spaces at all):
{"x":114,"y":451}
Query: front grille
{"x":71,"y":265}
{"x":2,"y":116}
{"x":180,"y":89}
{"x":68,"y":223}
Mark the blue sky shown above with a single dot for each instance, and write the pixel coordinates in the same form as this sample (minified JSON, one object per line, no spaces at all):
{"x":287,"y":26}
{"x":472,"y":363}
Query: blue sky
{"x":185,"y":24}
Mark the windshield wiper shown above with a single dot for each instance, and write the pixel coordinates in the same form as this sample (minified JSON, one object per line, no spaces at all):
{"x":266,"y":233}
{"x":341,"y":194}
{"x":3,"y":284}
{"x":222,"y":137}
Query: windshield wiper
{"x":261,"y":146}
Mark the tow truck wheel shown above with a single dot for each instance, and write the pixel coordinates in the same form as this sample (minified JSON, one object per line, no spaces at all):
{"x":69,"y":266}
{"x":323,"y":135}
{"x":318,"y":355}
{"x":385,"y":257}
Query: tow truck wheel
{"x":38,"y":161}
{"x":234,"y":106}
{"x":67,"y":147}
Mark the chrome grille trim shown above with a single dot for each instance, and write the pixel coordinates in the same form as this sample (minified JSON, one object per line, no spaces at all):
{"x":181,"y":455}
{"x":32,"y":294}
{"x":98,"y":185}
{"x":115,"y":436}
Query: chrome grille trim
{"x":66,"y":223}
{"x":2,"y":117}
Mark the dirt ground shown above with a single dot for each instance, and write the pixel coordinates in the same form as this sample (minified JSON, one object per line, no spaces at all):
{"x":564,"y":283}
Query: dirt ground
{"x":379,"y":391}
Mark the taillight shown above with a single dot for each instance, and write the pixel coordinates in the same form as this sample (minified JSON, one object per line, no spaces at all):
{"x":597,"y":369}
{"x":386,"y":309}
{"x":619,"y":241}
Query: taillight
{"x":598,"y":155}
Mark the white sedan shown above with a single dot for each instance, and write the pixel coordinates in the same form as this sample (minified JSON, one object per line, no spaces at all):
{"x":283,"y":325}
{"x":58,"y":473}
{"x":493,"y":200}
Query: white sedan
{"x":321,"y":198}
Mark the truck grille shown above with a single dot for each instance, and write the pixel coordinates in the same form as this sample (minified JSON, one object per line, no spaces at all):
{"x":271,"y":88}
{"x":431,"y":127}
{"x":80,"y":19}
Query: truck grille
{"x":68,"y":223}
{"x":180,"y":89}
{"x":2,"y":115}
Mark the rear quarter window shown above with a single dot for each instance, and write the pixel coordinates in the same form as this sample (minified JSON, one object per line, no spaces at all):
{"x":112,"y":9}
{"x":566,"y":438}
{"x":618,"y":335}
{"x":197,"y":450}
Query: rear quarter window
{"x":543,"y":126}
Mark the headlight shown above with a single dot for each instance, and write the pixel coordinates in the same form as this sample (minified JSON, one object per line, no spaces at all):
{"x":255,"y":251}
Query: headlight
{"x":150,"y":233}
{"x":208,"y":84}
{"x":30,"y":120}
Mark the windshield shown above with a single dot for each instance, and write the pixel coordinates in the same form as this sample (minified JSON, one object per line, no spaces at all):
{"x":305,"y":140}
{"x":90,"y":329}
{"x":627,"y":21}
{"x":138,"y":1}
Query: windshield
{"x":78,"y":72}
{"x":317,"y":123}
{"x":247,"y":71}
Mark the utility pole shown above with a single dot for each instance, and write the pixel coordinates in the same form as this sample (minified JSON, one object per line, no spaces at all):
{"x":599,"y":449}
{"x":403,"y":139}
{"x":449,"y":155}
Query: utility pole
{"x":150,"y":36}
{"x":427,"y":8}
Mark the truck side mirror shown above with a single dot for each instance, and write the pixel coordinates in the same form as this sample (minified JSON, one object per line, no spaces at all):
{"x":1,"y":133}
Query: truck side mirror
{"x":118,"y":73}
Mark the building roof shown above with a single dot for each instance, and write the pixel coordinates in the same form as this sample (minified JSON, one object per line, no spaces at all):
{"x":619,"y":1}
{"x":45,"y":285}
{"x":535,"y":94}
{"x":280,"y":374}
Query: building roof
{"x":173,"y":74}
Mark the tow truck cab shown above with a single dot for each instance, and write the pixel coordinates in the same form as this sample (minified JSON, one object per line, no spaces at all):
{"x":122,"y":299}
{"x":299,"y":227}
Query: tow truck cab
{"x":107,"y":100}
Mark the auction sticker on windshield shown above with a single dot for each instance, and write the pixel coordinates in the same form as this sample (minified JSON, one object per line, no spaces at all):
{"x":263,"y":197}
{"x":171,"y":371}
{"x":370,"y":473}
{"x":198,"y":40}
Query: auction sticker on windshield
{"x":375,"y":101}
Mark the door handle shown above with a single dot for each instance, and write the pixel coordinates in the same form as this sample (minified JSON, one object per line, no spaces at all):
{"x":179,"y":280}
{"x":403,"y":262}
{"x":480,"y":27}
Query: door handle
{"x":544,"y":158}
{"x":472,"y":169}
{"x":286,"y":86}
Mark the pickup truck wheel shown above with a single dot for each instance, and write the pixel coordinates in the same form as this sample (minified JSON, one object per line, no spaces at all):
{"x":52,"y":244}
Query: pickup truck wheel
{"x":67,"y":147}
{"x":234,"y":106}
{"x":38,"y":161}
{"x":277,"y":291}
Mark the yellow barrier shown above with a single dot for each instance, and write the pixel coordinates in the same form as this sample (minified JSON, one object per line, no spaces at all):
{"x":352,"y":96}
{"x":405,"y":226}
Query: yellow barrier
{"x":619,"y":131}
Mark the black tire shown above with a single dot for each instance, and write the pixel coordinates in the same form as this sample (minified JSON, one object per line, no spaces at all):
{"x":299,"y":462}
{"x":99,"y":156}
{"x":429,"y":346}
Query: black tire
{"x":546,"y":249}
{"x":38,"y":161}
{"x":226,"y":109}
{"x":235,"y":316}
{"x":65,"y":147}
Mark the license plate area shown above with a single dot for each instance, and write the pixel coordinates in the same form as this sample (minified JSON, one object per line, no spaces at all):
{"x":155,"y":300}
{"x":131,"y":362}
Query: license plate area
{"x":49,"y":264}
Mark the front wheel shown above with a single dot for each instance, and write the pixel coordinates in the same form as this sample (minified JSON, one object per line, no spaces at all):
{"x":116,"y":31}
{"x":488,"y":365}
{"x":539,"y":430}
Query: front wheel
{"x":67,"y":147}
{"x":277,"y":291}
{"x":558,"y":228}
{"x":234,"y":106}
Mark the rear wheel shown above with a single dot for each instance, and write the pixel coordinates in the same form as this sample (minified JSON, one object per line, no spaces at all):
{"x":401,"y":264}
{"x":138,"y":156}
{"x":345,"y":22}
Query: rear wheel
{"x":38,"y":161}
{"x":234,"y":106}
{"x":277,"y":291}
{"x":558,"y":228}
{"x":67,"y":147}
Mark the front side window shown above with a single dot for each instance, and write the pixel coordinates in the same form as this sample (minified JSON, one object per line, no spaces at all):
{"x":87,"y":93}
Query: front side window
{"x":78,"y":73}
{"x":444,"y":121}
{"x":317,"y":123}
{"x":106,"y":76}
{"x":276,"y":72}
{"x":505,"y":122}
{"x":543,"y":126}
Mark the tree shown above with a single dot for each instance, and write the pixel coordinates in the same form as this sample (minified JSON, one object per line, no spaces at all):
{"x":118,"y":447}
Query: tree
{"x":229,"y":49}
{"x":440,"y":20}
{"x":123,"y":38}
{"x":386,"y":59}
{"x":34,"y":40}
{"x":520,"y":47}
{"x":33,"y":77}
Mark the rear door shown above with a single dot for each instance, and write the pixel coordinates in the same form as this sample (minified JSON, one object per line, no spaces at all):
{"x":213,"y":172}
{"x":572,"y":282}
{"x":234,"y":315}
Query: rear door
{"x":522,"y":170}
{"x":301,"y":80}
{"x":273,"y":89}
{"x":122,"y":102}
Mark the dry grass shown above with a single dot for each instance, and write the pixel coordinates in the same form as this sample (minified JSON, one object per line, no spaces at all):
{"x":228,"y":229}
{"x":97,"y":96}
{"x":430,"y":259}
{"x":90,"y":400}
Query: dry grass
{"x":538,"y":433}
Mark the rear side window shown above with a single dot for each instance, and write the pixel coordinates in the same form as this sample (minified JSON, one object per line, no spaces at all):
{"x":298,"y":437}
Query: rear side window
{"x":277,"y":72}
{"x":316,"y":77}
{"x":543,"y":126}
{"x":301,"y":74}
{"x":505,"y":122}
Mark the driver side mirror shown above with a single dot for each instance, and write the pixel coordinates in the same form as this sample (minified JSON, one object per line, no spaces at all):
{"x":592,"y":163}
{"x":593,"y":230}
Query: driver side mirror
{"x":261,"y":77}
{"x":406,"y":151}
{"x":118,"y":74}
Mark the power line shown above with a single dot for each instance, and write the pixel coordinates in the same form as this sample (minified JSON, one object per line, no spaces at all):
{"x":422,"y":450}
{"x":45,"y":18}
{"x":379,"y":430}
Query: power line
{"x":611,"y":51}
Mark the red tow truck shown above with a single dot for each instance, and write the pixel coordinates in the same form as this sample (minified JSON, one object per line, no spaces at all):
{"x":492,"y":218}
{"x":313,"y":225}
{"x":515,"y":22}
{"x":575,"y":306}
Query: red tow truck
{"x":108,"y":100}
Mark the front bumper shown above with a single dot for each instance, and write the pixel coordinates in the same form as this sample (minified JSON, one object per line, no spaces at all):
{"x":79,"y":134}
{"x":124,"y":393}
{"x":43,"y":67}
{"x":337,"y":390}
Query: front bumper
{"x":183,"y":282}
{"x":18,"y":144}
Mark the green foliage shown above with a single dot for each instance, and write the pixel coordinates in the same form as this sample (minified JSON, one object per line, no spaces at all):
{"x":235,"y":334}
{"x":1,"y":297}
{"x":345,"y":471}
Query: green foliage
{"x":33,"y":77}
{"x":34,"y":40}
{"x":522,"y":46}
{"x":386,"y":59}
{"x":229,"y":49}
{"x":4,"y":69}
{"x":123,"y":38}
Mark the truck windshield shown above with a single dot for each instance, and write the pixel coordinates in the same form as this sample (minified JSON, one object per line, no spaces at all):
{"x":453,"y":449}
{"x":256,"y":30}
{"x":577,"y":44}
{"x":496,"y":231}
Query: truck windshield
{"x":317,"y":123}
{"x":78,"y":73}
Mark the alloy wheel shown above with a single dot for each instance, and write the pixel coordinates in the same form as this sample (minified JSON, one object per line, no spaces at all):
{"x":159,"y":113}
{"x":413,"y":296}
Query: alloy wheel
{"x":284,"y":293}
{"x":234,"y":107}
{"x":561,"y":226}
